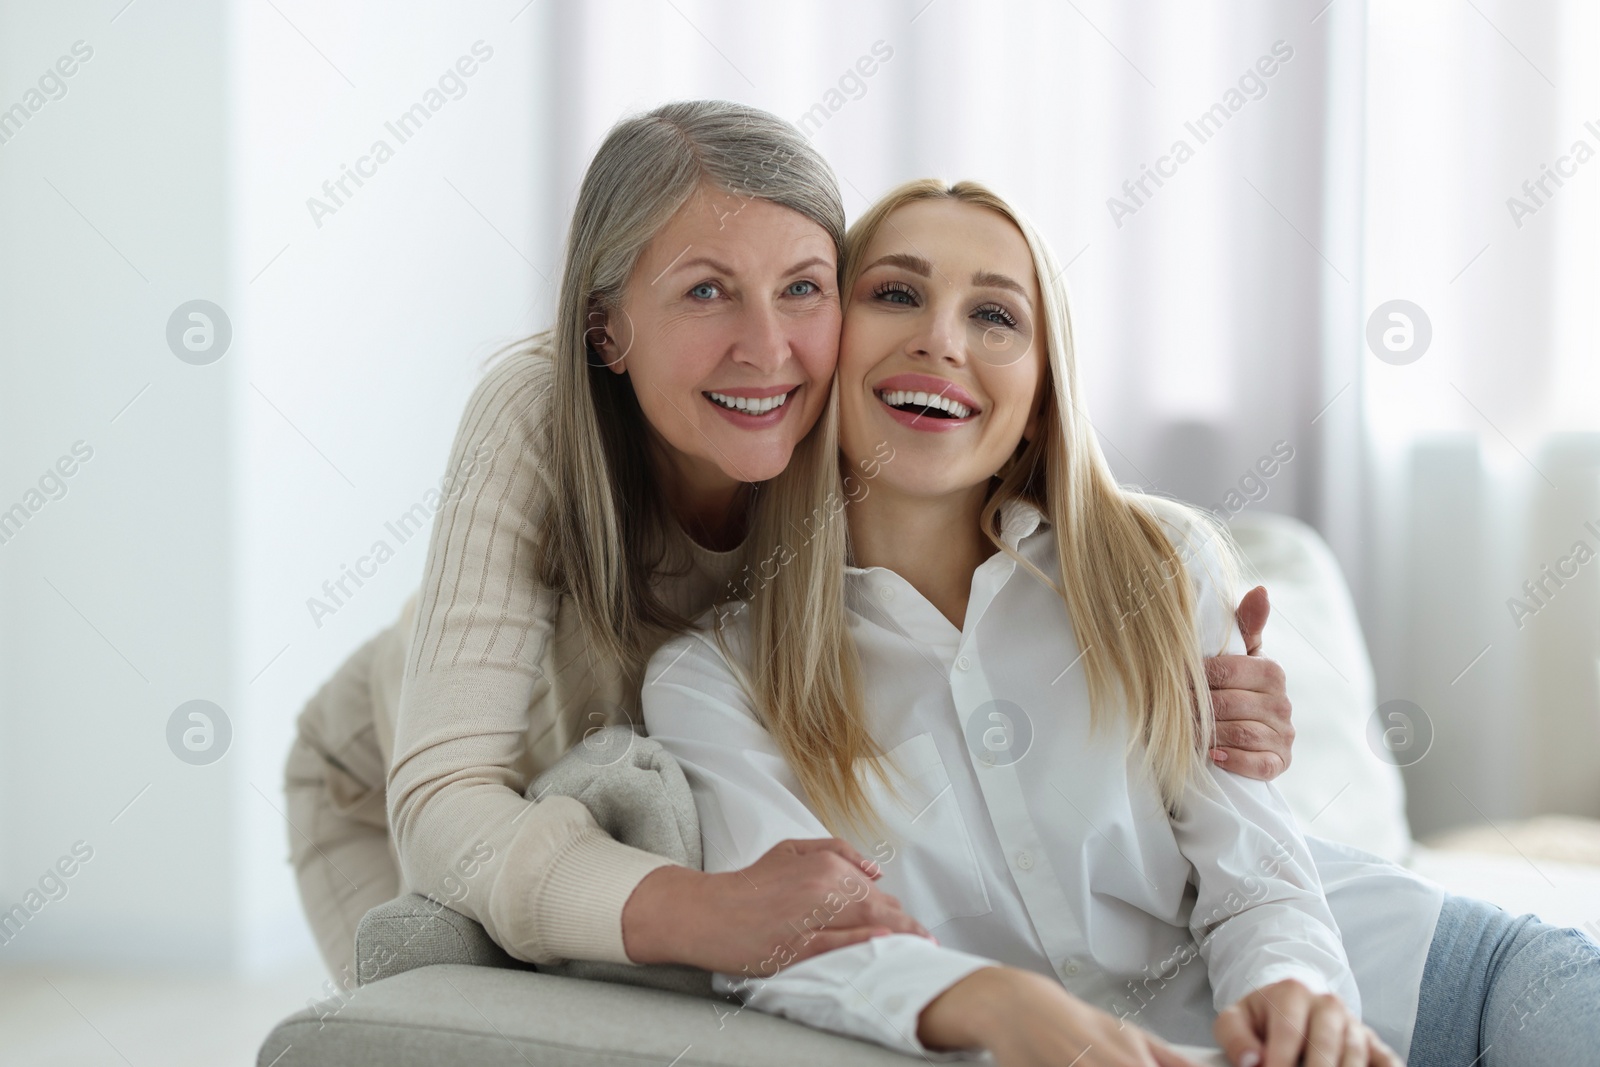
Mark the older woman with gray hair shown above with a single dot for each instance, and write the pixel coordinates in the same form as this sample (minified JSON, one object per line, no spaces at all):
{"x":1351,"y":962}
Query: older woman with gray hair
{"x":610,"y":470}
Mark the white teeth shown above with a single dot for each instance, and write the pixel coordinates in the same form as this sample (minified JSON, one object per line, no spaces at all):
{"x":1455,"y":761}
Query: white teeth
{"x":751,"y":405}
{"x":900,"y":397}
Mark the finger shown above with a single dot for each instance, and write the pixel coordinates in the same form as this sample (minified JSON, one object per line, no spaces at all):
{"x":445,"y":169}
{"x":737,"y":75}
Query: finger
{"x":876,"y":901}
{"x":1166,"y":1056}
{"x":1286,"y":1033}
{"x":1249,"y":735}
{"x":875,"y":912}
{"x":1356,"y":1048}
{"x":1220,"y":670}
{"x":1380,"y":1054}
{"x":1252,"y":747}
{"x":1262,"y":766}
{"x":1252,"y":618}
{"x":1325,"y":1035}
{"x":1253,"y":674}
{"x":1236,"y":1034}
{"x":807,"y":846}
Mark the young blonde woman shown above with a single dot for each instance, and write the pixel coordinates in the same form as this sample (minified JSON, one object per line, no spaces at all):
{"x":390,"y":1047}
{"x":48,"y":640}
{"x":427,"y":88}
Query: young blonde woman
{"x":992,"y":700}
{"x":605,"y":487}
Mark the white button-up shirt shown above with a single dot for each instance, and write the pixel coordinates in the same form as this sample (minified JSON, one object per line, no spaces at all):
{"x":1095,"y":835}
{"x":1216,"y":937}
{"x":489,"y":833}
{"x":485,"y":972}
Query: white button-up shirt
{"x":1021,"y":836}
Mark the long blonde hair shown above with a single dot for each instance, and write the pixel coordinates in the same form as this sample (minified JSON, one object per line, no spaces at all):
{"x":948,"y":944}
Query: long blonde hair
{"x":1123,"y":580}
{"x":601,"y":543}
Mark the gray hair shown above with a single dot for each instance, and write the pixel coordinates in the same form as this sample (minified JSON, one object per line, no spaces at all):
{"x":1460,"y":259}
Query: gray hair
{"x":651,"y":164}
{"x":602,"y":537}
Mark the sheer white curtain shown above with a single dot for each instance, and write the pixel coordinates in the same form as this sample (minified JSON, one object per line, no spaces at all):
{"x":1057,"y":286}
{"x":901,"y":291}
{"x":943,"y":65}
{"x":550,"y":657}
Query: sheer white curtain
{"x":1235,"y":191}
{"x":1198,"y":299}
{"x":1482,"y":456}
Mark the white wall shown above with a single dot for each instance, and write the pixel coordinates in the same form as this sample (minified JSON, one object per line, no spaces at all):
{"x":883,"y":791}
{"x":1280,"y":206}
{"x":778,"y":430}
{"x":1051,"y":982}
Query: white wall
{"x":227,"y":493}
{"x":364,"y":330}
{"x":121,"y":598}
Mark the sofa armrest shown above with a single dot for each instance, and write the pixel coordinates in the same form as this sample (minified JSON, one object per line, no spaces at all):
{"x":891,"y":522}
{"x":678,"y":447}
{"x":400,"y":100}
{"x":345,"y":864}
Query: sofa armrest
{"x":637,"y":793}
{"x":415,"y":931}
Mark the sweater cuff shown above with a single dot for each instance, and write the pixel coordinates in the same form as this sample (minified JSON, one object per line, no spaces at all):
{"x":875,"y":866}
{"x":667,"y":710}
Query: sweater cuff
{"x":577,"y":906}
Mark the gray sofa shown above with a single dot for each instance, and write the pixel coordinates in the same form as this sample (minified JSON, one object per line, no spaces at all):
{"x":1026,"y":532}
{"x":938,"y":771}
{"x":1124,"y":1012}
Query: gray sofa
{"x":436,"y":990}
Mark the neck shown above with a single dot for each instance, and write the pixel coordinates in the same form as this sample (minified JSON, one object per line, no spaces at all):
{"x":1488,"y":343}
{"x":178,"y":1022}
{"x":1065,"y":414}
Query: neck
{"x":934,"y":543}
{"x":709,"y":505}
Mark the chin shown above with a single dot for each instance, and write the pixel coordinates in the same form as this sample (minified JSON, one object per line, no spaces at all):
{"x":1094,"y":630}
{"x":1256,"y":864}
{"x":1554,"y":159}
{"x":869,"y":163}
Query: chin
{"x":917,"y":483}
{"x":760,"y":464}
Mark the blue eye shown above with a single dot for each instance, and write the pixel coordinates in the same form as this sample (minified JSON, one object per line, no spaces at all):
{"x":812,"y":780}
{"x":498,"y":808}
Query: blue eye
{"x":996,"y":314}
{"x":895,"y":293}
{"x":705,"y":291}
{"x":803,"y":289}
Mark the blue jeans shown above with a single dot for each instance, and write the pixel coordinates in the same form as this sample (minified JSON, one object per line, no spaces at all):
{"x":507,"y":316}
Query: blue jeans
{"x":1506,"y":991}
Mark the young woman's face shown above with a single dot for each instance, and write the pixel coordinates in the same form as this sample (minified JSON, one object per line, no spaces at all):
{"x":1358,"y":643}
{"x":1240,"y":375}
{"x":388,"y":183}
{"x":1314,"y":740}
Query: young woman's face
{"x":943,"y":350}
{"x":729,"y":330}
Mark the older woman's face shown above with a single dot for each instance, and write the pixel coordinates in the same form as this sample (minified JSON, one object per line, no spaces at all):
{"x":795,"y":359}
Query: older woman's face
{"x":729,"y":332}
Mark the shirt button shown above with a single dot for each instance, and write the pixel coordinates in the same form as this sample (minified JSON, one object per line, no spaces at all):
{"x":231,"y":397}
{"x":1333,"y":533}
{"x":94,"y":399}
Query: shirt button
{"x":1025,"y":860}
{"x":964,"y":663}
{"x":885,"y":593}
{"x":1068,"y":967}
{"x":986,"y":758}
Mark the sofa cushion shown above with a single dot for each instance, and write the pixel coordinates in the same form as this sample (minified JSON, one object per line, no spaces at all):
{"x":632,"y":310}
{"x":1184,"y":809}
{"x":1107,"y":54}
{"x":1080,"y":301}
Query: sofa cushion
{"x":1342,"y":783}
{"x":497,"y":1017}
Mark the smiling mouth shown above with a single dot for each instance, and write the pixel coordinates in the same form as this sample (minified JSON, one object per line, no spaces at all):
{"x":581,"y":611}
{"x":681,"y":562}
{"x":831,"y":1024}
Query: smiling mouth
{"x":749,"y":405}
{"x":930,"y":405}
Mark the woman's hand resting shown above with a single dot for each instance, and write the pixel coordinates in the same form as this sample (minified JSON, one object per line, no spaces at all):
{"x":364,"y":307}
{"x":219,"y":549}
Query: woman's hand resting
{"x":801,"y":898}
{"x":1027,"y":1020}
{"x":1278,"y":1024}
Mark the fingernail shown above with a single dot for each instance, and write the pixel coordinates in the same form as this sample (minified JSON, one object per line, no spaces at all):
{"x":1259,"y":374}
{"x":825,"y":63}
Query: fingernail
{"x":1222,"y":757}
{"x":1250,"y":1059}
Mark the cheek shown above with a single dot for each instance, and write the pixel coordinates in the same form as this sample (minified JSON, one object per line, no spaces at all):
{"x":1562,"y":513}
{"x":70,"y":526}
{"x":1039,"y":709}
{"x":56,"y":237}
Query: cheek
{"x":815,"y":341}
{"x":863,"y":342}
{"x":673,"y":357}
{"x":666,"y":374}
{"x":1018,"y":394}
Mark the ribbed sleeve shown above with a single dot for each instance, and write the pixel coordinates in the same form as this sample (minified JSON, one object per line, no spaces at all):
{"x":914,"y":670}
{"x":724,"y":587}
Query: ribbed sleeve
{"x":544,"y":880}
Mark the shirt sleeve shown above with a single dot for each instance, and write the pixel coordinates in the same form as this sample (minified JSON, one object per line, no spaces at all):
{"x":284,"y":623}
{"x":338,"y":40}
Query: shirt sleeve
{"x":749,"y":800}
{"x":1260,"y":915}
{"x":544,"y":880}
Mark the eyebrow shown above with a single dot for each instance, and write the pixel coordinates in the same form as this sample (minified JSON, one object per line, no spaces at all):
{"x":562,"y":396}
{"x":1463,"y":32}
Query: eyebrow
{"x":723,"y":268}
{"x":990,"y":280}
{"x":905,"y":261}
{"x":699,"y":261}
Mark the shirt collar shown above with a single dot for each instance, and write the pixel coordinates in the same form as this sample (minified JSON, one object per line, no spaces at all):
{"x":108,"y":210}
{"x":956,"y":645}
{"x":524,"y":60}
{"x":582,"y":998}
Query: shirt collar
{"x":1018,"y":519}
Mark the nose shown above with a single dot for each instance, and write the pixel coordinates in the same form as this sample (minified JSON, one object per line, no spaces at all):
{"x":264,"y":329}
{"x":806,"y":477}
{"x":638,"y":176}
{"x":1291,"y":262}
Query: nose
{"x":942,"y":336}
{"x":762,"y":343}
